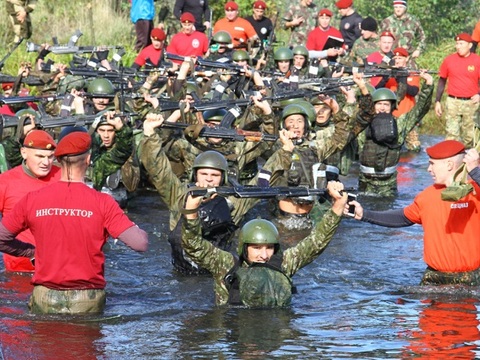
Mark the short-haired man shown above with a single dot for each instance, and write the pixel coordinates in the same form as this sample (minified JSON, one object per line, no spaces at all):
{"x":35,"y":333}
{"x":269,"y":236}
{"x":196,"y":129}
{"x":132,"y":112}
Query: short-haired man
{"x":71,"y":224}
{"x":462,"y":70}
{"x":239,"y":29}
{"x":384,"y":55}
{"x":36,"y":171}
{"x":262,"y":24}
{"x":188,"y":42}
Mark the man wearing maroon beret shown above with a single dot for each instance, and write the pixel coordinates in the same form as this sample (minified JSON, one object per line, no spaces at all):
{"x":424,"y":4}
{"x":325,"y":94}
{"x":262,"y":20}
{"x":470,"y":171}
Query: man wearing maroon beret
{"x":36,"y":172}
{"x":71,"y":223}
{"x":188,"y":42}
{"x":462,"y":71}
{"x":451,"y":228}
{"x":318,"y":37}
{"x":239,"y":29}
{"x":349,"y":23}
{"x":262,"y":24}
{"x":151,"y":54}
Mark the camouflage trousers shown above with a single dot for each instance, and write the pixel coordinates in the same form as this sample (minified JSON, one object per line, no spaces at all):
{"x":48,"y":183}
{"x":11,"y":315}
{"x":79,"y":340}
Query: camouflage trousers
{"x":385,"y":185}
{"x":49,"y":301}
{"x":21,"y":30}
{"x":412,"y":141}
{"x":433,"y":277}
{"x":460,"y":120}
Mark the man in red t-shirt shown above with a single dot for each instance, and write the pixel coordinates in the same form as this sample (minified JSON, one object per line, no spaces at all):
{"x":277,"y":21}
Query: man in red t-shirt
{"x":318,"y":37}
{"x":36,"y":172}
{"x":239,"y":29}
{"x":383,"y":56}
{"x":188,"y":42}
{"x":71,"y":223}
{"x":451,"y":228}
{"x":151,"y":55}
{"x":462,"y":70}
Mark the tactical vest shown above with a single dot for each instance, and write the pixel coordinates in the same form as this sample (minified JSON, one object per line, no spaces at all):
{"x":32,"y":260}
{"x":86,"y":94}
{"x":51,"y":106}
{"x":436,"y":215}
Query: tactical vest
{"x":259,"y":284}
{"x":217,"y":227}
{"x":377,"y":156}
{"x":300,"y":173}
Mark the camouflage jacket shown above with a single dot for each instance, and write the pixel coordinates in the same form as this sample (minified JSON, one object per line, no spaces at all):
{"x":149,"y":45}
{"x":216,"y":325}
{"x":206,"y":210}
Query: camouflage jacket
{"x":13,"y":6}
{"x":106,"y":161}
{"x":361,"y":49}
{"x":299,"y":34}
{"x":12,"y":147}
{"x":219,"y":262}
{"x":408,"y":32}
{"x":172,"y":191}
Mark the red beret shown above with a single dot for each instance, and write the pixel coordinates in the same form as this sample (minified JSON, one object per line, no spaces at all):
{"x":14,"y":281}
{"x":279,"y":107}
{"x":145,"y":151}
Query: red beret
{"x":325,"y":12}
{"x":259,"y":5}
{"x":39,"y":139}
{"x":231,"y":5}
{"x":445,"y":149}
{"x":158,"y":34}
{"x":187,"y":17}
{"x":343,"y":4}
{"x":7,"y":86}
{"x":399,"y":51}
{"x":75,"y":143}
{"x":388,"y":33}
{"x":464,"y":36}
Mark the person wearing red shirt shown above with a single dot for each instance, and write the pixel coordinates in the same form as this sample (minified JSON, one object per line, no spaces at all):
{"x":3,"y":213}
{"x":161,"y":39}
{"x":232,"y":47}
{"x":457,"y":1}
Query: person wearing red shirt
{"x":36,"y":172}
{"x":239,"y":29}
{"x":317,"y":38}
{"x":71,"y":223}
{"x":383,"y":56}
{"x":188,"y":42}
{"x":462,"y":70}
{"x":151,"y":54}
{"x":451,"y":228}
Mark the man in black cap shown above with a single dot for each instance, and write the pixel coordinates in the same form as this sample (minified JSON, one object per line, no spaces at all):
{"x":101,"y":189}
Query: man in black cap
{"x":367,"y":43}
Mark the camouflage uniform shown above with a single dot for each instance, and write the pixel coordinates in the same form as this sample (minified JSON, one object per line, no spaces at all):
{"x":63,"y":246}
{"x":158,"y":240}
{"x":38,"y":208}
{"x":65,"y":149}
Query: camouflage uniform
{"x":408,"y":32}
{"x":21,"y":30}
{"x":433,"y":277}
{"x":299,"y":34}
{"x":13,"y":156}
{"x":107,"y":161}
{"x":219,"y":262}
{"x":378,"y":174}
{"x":361,"y":49}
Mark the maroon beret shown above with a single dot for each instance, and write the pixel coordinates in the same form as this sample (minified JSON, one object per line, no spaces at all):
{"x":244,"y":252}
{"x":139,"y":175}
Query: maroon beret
{"x":445,"y":149}
{"x":75,"y":143}
{"x":187,"y":17}
{"x":231,"y":5}
{"x":39,"y":139}
{"x":399,"y":51}
{"x":343,"y":4}
{"x":464,"y":36}
{"x":158,"y":34}
{"x":259,"y":5}
{"x":7,"y":86}
{"x":388,"y":33}
{"x":325,"y":12}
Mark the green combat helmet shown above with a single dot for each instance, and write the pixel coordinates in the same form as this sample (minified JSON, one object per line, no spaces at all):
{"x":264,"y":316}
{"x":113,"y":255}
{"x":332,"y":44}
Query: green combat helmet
{"x":101,"y":87}
{"x":300,"y":50}
{"x":240,"y":55}
{"x":283,"y":54}
{"x":297,"y":108}
{"x":214,"y":114}
{"x":213,"y":160}
{"x":257,"y":231}
{"x":70,"y":82}
{"x":220,"y":38}
{"x":383,"y":94}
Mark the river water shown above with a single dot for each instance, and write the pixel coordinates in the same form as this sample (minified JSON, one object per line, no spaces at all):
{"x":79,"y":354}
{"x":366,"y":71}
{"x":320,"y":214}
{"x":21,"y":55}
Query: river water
{"x":358,"y":300}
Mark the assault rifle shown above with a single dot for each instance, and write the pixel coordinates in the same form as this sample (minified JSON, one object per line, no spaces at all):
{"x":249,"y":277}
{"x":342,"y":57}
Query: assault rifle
{"x":53,"y":122}
{"x":15,"y":46}
{"x":378,"y":69}
{"x":29,"y":80}
{"x":208,"y":63}
{"x":245,"y":191}
{"x":220,"y":132}
{"x":12,"y":100}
